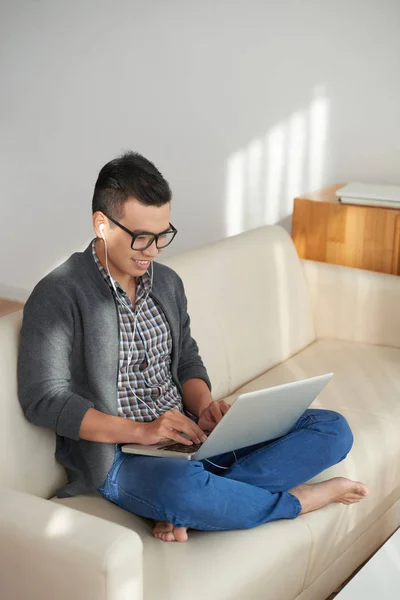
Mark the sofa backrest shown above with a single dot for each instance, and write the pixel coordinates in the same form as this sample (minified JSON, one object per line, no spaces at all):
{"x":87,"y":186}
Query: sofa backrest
{"x":27,"y":460}
{"x":249,"y":310}
{"x":248,"y":303}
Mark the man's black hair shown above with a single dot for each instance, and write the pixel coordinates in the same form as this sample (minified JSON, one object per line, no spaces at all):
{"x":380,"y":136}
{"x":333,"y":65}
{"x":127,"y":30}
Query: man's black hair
{"x":129,"y":176}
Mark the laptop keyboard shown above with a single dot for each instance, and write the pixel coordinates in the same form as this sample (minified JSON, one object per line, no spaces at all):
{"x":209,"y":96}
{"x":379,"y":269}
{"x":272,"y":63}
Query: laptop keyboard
{"x":181,"y":448}
{"x":178,"y":447}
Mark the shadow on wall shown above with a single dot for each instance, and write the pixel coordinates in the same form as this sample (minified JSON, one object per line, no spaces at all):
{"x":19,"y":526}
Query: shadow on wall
{"x":263,"y":178}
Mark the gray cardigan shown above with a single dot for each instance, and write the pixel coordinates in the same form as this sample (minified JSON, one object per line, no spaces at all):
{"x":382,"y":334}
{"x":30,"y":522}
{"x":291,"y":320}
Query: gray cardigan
{"x":68,"y":358}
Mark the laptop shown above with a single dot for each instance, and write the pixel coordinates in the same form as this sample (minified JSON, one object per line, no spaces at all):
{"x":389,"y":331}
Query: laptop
{"x":255,"y":417}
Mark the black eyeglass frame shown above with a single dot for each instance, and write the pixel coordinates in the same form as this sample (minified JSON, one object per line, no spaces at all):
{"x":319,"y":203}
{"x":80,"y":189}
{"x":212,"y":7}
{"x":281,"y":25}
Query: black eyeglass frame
{"x":155,"y":236}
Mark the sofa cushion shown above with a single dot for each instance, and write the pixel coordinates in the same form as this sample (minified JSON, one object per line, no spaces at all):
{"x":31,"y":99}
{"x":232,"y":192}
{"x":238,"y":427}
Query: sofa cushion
{"x":366,"y":377}
{"x":248,"y":302}
{"x":221,"y":565}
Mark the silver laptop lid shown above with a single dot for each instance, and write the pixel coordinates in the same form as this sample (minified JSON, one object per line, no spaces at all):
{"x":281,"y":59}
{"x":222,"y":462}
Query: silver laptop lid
{"x":262,"y":415}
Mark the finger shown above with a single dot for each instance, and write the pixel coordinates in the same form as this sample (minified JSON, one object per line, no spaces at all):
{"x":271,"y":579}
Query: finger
{"x":197,"y":433}
{"x":184,"y":424}
{"x":224,"y":406}
{"x":196,"y":430}
{"x":210,"y":428}
{"x":171,"y":434}
{"x":215,"y":411}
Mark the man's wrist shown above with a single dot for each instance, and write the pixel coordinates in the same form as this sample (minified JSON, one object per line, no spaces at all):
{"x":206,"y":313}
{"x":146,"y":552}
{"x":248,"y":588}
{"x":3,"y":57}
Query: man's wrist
{"x":202,"y":405}
{"x":109,"y":429}
{"x":135,"y":432}
{"x":196,"y":396}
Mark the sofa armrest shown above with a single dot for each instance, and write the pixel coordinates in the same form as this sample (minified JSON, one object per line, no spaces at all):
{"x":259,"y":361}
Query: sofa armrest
{"x":354,"y":304}
{"x":52,"y":551}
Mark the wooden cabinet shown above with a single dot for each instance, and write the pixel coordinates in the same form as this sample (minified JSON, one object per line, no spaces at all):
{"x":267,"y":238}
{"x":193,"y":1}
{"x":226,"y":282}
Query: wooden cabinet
{"x":366,"y":237}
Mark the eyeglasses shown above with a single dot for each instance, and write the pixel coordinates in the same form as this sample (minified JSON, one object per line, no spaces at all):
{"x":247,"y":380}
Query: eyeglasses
{"x":144,"y":239}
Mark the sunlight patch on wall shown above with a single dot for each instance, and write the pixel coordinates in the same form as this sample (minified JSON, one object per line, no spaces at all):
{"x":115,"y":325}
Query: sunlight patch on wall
{"x":263,"y":178}
{"x":274,"y":170}
{"x":296,"y":149}
{"x":318,"y":132}
{"x":235,"y":193}
{"x":254,"y":173}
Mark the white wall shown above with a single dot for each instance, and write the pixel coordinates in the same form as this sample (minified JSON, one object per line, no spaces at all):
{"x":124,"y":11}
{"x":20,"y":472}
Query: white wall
{"x":241,"y":104}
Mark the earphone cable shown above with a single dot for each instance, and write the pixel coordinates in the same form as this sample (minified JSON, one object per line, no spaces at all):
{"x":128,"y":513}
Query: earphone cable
{"x":123,"y":303}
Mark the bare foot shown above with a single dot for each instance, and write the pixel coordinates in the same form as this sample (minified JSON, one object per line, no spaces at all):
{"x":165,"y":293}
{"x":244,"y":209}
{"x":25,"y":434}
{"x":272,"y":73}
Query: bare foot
{"x":339,"y":489}
{"x":168,"y":533}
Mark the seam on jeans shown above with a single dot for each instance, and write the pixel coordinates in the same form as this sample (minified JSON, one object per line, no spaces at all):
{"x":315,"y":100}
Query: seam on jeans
{"x":117,"y":465}
{"x":200,"y":526}
{"x":297,"y":502}
{"x":101,"y":491}
{"x":114,"y":469}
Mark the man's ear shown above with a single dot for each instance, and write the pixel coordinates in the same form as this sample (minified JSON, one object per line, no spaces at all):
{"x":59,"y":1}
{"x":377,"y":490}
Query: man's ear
{"x":99,"y":224}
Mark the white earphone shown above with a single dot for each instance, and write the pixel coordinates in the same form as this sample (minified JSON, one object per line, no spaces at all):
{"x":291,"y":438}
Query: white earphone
{"x":135,"y":320}
{"x":130,"y":351}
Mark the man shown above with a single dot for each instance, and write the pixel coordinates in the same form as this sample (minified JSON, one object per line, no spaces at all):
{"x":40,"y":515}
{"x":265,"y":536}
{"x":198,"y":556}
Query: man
{"x":106,"y":357}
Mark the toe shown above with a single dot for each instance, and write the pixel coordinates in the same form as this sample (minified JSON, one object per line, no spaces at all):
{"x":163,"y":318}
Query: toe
{"x":180,"y":534}
{"x":161,"y":529}
{"x":361,"y":489}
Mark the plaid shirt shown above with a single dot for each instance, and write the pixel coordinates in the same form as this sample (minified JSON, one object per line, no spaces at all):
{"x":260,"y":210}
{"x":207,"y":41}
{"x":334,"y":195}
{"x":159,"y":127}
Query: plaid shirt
{"x":149,"y":372}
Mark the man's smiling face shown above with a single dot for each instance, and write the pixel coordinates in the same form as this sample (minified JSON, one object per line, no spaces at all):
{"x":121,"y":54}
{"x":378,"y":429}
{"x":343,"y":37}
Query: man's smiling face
{"x":136,"y":217}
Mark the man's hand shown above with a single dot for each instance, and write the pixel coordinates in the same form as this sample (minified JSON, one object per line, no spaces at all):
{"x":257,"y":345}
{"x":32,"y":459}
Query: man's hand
{"x":168,"y":427}
{"x":212,"y":414}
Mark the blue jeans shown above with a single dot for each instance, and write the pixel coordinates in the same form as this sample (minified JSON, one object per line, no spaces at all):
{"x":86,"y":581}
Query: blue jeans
{"x":251,"y":491}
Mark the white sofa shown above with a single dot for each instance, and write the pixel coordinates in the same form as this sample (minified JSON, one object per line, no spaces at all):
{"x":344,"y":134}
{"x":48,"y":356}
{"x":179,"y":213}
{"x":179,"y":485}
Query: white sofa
{"x":261,"y":317}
